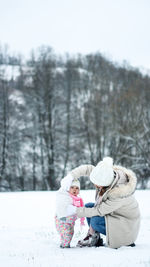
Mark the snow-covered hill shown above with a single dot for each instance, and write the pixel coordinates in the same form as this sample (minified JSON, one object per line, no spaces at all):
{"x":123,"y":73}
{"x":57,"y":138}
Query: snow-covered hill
{"x":28,"y":236}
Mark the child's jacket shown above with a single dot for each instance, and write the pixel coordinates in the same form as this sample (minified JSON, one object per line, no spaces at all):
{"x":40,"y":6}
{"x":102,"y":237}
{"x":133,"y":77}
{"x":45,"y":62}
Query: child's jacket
{"x":66,"y":204}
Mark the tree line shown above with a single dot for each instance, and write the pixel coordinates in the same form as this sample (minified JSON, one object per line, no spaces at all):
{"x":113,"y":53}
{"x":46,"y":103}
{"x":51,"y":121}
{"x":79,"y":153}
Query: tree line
{"x":60,"y":112}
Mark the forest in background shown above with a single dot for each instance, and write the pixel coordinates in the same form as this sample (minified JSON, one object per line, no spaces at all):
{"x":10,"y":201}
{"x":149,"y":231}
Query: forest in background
{"x":58,"y":112}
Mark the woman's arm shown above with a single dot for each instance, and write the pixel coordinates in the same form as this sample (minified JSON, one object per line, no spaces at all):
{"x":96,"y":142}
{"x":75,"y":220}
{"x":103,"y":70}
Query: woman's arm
{"x":83,"y":170}
{"x":101,"y":210}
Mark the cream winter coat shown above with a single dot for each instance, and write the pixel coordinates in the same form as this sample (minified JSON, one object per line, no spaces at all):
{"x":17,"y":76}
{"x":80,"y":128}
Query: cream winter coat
{"x":118,"y":206}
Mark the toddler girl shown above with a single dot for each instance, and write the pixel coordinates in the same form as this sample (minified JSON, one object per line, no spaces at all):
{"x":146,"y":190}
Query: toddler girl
{"x":67,"y":200}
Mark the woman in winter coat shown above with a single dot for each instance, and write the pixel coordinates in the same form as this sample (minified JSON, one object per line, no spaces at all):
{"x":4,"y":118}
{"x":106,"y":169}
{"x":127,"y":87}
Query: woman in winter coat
{"x":115,"y":212}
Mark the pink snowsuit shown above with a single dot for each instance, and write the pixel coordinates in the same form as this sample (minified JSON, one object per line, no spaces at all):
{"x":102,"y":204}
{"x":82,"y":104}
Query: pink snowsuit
{"x":65,"y":225}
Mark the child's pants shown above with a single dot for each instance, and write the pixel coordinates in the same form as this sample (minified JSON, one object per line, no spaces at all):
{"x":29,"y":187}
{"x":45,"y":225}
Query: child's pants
{"x":65,"y":229}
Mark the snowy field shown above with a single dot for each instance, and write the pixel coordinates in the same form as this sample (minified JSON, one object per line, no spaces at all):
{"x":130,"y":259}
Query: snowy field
{"x":28,"y":236}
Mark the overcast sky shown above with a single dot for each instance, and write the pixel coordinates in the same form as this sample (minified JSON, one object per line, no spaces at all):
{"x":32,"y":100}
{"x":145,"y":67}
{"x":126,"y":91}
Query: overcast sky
{"x":120,"y":29}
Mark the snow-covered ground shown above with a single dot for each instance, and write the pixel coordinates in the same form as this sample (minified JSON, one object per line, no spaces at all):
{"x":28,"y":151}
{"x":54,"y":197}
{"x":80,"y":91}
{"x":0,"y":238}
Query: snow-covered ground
{"x":28,"y":236}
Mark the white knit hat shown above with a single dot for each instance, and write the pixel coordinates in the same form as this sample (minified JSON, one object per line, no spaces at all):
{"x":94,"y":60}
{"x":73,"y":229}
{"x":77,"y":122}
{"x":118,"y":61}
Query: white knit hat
{"x":75,"y":182}
{"x":102,"y":174}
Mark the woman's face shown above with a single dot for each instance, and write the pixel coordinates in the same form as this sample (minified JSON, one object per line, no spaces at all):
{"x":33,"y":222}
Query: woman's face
{"x":98,"y":186}
{"x":74,"y":190}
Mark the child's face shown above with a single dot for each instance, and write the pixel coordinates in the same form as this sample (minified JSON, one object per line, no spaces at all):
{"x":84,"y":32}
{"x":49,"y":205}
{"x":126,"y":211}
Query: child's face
{"x":74,"y":190}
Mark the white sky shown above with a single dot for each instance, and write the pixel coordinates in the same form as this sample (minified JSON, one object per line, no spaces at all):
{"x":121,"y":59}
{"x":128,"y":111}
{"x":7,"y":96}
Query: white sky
{"x":120,"y":29}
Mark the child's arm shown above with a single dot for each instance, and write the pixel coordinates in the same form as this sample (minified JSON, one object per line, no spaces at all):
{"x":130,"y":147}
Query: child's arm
{"x":71,"y":210}
{"x":63,"y":201}
{"x":66,"y":183}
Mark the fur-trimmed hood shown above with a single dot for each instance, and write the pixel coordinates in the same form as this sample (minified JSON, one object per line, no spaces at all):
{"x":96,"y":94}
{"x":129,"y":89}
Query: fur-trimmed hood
{"x":124,"y":183}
